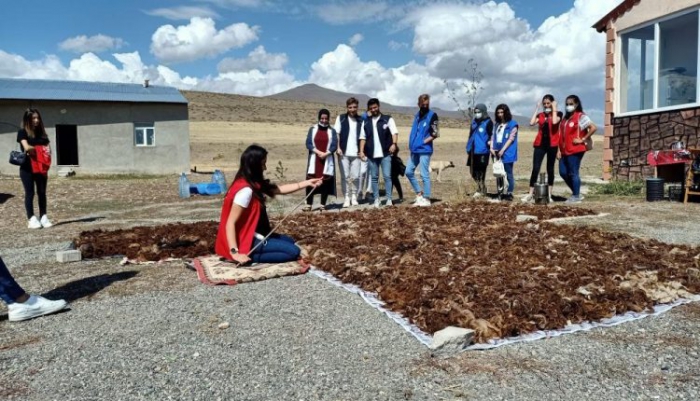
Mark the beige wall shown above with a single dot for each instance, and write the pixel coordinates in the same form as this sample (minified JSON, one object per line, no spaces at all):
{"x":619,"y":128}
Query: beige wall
{"x":649,"y":10}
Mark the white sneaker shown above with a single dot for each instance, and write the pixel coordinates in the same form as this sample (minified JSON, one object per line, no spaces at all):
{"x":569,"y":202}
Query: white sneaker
{"x":424,"y":202}
{"x":45,"y":222}
{"x":376,"y":204}
{"x":527,"y":198}
{"x":347,"y":202}
{"x":418,"y":200}
{"x":353,"y":201}
{"x":35,"y":306}
{"x":477,"y":195}
{"x":34,"y":223}
{"x":389,"y":203}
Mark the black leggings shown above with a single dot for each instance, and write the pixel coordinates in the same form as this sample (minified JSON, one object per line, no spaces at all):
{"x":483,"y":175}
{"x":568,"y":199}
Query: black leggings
{"x":480,"y":162}
{"x":538,"y":158}
{"x":396,"y":184}
{"x":29,"y":180}
{"x":324,"y":195}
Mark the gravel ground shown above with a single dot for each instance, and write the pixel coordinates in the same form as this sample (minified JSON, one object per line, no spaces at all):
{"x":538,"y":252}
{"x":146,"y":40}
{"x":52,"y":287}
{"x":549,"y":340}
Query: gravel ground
{"x":151,"y":332}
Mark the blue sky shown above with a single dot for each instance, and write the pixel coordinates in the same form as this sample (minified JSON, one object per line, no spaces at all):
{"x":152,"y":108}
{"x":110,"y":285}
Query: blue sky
{"x":388,"y":49}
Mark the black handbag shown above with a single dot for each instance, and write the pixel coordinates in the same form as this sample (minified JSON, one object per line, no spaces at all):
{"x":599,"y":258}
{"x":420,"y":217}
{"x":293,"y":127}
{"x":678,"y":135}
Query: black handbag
{"x":17,"y":157}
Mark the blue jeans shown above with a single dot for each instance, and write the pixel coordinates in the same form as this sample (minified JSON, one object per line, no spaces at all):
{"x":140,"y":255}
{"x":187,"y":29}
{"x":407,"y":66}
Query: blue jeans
{"x":9,"y":289}
{"x":569,"y":167}
{"x":374,"y":164}
{"x":422,"y":160}
{"x":511,"y":178}
{"x":276,"y":249}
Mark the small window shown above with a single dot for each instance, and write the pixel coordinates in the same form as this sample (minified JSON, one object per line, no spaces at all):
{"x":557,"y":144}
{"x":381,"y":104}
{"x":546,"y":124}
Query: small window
{"x":144,"y":134}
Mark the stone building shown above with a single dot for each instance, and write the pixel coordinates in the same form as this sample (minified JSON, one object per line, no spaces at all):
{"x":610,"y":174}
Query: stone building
{"x":651,"y":76}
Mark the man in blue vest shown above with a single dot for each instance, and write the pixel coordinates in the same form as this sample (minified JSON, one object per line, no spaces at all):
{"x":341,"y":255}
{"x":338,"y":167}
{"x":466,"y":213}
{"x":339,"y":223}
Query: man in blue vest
{"x":348,"y":126}
{"x":420,"y":144}
{"x":378,"y":140}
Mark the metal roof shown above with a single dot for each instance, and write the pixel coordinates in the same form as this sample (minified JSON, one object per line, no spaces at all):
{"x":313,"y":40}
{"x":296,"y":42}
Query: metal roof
{"x":35,"y":89}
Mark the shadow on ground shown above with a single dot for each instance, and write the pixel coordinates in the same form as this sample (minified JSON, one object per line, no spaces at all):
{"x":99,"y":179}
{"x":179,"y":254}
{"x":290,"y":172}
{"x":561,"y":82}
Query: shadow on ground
{"x":81,"y":220}
{"x":5,"y":197}
{"x":89,"y":286}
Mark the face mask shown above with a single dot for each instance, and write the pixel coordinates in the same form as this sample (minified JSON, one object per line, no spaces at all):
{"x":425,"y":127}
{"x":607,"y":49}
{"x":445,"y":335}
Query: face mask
{"x":570,"y":109}
{"x":324,"y":125}
{"x":478,"y":115}
{"x":548,"y":110}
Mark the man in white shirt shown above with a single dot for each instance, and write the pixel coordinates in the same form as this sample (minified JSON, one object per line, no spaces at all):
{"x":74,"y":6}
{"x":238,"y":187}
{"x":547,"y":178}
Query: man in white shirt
{"x":378,"y":141}
{"x":348,"y":126}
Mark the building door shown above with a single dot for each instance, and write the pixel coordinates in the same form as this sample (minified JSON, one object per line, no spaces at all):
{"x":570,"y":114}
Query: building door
{"x":67,"y":145}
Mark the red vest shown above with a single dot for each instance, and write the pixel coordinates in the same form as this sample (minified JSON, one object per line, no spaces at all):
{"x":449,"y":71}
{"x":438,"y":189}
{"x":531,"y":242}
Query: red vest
{"x":553,"y":131}
{"x":245,"y":225}
{"x":570,"y":130}
{"x":42,"y":161}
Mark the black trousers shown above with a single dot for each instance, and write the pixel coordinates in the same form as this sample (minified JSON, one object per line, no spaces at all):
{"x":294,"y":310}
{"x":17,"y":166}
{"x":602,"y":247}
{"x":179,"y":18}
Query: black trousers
{"x":324,"y":190}
{"x":396,"y":183}
{"x":538,"y":158}
{"x":479,"y":164}
{"x":29,"y":181}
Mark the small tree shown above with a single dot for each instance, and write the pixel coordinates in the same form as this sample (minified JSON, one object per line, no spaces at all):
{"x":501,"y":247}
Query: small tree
{"x":472,"y":89}
{"x":281,"y":171}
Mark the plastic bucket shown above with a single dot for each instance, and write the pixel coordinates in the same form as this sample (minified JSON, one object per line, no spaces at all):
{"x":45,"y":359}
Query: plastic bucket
{"x":208,"y":188}
{"x":655,"y":189}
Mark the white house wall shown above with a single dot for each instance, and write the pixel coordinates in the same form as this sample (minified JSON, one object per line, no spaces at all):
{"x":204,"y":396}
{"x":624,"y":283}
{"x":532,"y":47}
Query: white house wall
{"x":649,"y":10}
{"x":106,"y":135}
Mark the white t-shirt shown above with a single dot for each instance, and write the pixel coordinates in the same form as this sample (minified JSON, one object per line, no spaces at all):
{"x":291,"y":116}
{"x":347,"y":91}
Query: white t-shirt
{"x":243,"y":197}
{"x":378,"y":152}
{"x":351,"y":147}
{"x":584,"y":122}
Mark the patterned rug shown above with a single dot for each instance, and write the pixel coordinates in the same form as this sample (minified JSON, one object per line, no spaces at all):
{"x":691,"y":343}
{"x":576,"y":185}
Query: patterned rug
{"x":211,"y":270}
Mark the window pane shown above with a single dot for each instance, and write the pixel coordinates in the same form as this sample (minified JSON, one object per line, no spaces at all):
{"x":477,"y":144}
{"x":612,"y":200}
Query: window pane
{"x":140,"y":140}
{"x":678,"y":60}
{"x":150,"y":136}
{"x":637,"y":70}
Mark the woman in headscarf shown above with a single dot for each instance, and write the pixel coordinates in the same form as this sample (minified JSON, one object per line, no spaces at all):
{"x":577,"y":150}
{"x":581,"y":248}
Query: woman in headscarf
{"x":322,"y":142}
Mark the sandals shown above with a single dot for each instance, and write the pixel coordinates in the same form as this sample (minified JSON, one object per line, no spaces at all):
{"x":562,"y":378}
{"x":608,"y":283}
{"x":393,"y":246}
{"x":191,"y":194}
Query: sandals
{"x":306,"y":208}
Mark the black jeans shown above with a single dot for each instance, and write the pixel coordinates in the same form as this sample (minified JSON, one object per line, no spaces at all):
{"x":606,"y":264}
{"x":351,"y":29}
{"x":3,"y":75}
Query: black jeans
{"x":479,"y":164}
{"x":29,"y":181}
{"x":538,"y":158}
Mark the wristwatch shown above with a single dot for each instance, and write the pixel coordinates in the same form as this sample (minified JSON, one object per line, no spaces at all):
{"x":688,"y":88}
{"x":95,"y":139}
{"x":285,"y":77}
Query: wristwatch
{"x":234,"y":251}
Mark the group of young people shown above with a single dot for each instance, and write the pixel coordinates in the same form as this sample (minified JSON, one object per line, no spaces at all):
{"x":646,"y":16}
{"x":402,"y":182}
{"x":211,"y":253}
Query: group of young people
{"x":565,"y":136}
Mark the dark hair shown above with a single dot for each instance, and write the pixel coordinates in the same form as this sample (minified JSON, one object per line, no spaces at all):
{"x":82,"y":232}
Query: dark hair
{"x":251,"y":170}
{"x":29,"y":127}
{"x":579,"y":106}
{"x":423,"y":97}
{"x":322,"y":112}
{"x":350,"y":101}
{"x":548,"y":97}
{"x":506,"y":113}
{"x":372,"y":101}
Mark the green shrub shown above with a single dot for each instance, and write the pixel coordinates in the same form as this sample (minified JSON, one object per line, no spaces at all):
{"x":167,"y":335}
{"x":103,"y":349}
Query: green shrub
{"x":619,"y":188}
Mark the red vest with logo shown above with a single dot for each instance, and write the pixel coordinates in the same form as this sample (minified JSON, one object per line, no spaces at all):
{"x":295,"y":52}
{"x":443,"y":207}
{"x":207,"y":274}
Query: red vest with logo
{"x":553,"y":130}
{"x":245,"y":225}
{"x":569,"y":129}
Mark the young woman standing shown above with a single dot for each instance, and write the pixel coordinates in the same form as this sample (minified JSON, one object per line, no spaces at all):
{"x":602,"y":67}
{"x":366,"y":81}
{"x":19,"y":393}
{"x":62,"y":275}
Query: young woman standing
{"x":244,"y":221}
{"x":478,"y":147}
{"x":576,"y":128}
{"x":34,"y":172}
{"x":546,"y":142}
{"x":504,"y":144}
{"x":322,"y":143}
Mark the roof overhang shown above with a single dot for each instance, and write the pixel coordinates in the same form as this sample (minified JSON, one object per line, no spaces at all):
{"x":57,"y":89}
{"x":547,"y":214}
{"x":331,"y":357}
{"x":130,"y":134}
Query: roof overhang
{"x":616,"y":13}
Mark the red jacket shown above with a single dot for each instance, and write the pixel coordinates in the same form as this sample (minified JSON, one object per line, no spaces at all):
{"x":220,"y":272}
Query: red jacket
{"x":41,"y":161}
{"x":245,"y":225}
{"x":569,"y":129}
{"x":553,"y":131}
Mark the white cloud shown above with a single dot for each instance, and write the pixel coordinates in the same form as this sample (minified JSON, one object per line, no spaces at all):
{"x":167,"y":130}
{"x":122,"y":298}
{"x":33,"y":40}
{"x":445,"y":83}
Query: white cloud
{"x":356,"y":39}
{"x":257,"y":59}
{"x":199,"y":39}
{"x":183,"y":12}
{"x":396,"y":46}
{"x":239,"y":3}
{"x":344,"y":13}
{"x":97,"y":43}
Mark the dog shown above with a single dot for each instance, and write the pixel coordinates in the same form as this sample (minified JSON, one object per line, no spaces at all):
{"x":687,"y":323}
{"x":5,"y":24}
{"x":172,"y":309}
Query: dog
{"x":439,"y":167}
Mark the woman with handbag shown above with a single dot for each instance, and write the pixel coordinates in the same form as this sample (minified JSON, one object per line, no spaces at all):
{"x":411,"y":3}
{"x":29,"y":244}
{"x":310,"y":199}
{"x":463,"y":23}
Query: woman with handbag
{"x":34,"y":170}
{"x":576,"y":129}
{"x":504,"y":144}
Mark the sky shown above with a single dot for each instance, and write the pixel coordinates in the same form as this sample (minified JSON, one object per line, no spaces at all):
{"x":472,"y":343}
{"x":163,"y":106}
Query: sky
{"x":393,"y":50}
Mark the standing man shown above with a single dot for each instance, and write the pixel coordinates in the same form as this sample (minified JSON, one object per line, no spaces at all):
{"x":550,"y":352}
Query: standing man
{"x":348,"y":126}
{"x":378,"y":140}
{"x":420,"y":144}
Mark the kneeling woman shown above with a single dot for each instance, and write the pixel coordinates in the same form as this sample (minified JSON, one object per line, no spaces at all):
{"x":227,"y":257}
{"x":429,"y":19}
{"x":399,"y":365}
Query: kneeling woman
{"x":244,"y":220}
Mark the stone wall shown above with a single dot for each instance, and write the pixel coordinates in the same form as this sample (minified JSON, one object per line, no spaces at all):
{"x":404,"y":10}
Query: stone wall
{"x":633,"y":138}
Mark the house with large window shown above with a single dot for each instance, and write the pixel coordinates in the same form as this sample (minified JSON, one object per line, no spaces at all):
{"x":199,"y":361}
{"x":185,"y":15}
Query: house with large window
{"x":651,"y":83}
{"x":100,"y":128}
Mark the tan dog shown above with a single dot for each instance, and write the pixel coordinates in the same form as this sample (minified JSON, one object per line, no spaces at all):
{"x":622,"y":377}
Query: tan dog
{"x":439,"y":167}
